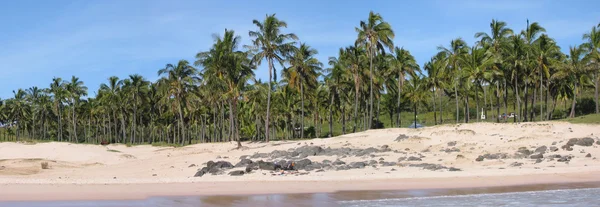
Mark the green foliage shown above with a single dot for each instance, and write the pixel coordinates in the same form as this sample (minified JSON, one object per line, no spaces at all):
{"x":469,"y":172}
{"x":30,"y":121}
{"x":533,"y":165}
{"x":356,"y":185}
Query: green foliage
{"x":585,"y":106}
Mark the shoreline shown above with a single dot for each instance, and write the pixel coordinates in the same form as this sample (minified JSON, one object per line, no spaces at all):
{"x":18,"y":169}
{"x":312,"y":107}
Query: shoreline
{"x":75,"y":192}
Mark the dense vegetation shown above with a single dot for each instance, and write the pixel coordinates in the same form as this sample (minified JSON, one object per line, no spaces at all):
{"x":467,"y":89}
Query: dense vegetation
{"x":217,"y":98}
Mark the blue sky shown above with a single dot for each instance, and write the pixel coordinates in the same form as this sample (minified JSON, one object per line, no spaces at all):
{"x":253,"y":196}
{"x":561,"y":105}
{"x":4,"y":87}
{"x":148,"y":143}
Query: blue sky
{"x":93,"y":40}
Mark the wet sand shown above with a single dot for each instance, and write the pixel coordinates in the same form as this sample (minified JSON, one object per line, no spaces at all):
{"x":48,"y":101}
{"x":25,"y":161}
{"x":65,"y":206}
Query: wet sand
{"x":53,"y":192}
{"x":305,"y":199}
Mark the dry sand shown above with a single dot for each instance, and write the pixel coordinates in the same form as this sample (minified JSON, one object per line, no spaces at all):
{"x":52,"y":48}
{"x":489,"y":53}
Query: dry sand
{"x":80,"y":171}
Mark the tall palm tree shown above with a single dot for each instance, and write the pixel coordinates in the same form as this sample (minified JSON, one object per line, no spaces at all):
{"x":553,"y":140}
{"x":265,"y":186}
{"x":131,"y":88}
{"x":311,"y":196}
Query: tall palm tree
{"x":375,"y":34}
{"x":435,"y":68}
{"x":475,"y":67}
{"x":495,"y":41}
{"x":530,"y":35}
{"x":57,"y":88}
{"x":137,"y":89}
{"x":271,"y":44}
{"x":303,"y":72}
{"x":546,"y":51}
{"x":178,"y":81}
{"x":19,"y":110}
{"x":75,"y":90}
{"x":33,"y":97}
{"x":574,"y":71}
{"x":403,"y":64}
{"x":113,"y":101}
{"x":230,"y":66}
{"x":592,"y":47}
{"x":353,"y":57}
{"x":457,"y":48}
{"x":416,"y":92}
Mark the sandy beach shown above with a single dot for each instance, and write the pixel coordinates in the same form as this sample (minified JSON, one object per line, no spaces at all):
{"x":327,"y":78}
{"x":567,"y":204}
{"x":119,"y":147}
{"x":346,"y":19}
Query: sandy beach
{"x":483,"y":154}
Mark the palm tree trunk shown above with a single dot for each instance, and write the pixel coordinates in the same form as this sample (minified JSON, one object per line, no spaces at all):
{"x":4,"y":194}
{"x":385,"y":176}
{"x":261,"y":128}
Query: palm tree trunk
{"x":268,"y":99}
{"x":74,"y":122}
{"x":415,"y":123}
{"x":371,"y":90}
{"x":344,"y":119}
{"x":526,"y":97}
{"x":355,"y":107}
{"x":596,"y":89}
{"x":456,"y":99}
{"x":434,"y":108}
{"x":398,"y":122}
{"x":331,"y":116}
{"x":518,"y":113}
{"x":302,"y":117}
{"x":572,"y":114}
{"x":441,"y":110}
{"x":498,"y":102}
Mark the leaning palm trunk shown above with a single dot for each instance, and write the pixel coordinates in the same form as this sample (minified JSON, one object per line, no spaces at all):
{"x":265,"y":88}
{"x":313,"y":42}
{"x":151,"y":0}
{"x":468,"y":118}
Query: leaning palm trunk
{"x":572,"y":114}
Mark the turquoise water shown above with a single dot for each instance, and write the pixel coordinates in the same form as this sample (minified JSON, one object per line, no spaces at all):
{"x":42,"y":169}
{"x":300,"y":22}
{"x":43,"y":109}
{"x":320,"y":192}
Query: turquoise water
{"x":572,"y":195}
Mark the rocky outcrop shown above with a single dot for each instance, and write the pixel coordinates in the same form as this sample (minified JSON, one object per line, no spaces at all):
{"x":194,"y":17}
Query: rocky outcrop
{"x":537,"y":156}
{"x":243,"y":163}
{"x":541,"y":149}
{"x":214,"y":168}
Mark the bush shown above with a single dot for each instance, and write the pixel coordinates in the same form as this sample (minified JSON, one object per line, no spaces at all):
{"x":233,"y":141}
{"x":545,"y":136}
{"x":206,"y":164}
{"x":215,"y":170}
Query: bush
{"x":585,"y":106}
{"x":310,"y":132}
{"x":45,"y":165}
{"x":461,"y":113}
{"x":376,"y":124}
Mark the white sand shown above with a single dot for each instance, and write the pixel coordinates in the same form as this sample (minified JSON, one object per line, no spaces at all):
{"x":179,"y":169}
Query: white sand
{"x":94,"y":164}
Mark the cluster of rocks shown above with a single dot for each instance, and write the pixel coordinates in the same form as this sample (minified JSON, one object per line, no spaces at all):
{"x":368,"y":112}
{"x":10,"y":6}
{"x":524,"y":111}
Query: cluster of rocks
{"x":306,"y":151}
{"x":539,"y":153}
{"x":432,"y":167}
{"x":586,"y":142}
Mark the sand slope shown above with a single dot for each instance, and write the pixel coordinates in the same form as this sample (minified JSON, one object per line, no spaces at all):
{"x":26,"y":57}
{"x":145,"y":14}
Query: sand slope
{"x":95,"y":164}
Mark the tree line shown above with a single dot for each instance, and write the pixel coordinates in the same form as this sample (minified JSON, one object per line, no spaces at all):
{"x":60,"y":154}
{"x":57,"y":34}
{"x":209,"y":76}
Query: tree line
{"x":217,"y":98}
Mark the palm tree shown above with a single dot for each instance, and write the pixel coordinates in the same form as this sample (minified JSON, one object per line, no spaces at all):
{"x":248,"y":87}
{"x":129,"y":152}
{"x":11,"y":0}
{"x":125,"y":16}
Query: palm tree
{"x":592,"y":47}
{"x":434,"y":68}
{"x":475,"y":67}
{"x":546,"y":50}
{"x":57,"y":88}
{"x":137,"y":89}
{"x":178,"y":82}
{"x":457,"y":48}
{"x":574,"y":71}
{"x":530,"y":35}
{"x":416,"y":92}
{"x":303,"y":72}
{"x":495,"y":41}
{"x":353,"y":57}
{"x":374,"y":34}
{"x":110,"y":96}
{"x":226,"y":64}
{"x":271,"y":44}
{"x":33,"y":97}
{"x":75,"y":89}
{"x":402,"y":64}
{"x":18,"y":110}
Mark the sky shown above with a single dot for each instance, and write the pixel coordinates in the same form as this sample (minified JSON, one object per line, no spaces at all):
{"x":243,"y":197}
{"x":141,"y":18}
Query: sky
{"x":96,"y":39}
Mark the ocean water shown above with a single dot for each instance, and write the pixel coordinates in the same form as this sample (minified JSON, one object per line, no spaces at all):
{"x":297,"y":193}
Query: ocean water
{"x":571,"y":195}
{"x":568,"y":197}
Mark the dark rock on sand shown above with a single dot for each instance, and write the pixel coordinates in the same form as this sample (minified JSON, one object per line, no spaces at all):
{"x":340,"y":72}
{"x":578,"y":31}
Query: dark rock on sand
{"x":357,"y":165}
{"x":449,"y":150}
{"x":585,"y":142}
{"x":516,"y":164}
{"x":338,"y":162}
{"x":267,"y":165}
{"x":566,"y":158}
{"x":454,"y":169}
{"x":567,"y":147}
{"x":495,"y":156}
{"x":538,"y":161}
{"x":588,"y":155}
{"x":553,"y":149}
{"x":537,"y":156}
{"x":479,"y":158}
{"x":243,"y":163}
{"x":524,"y":151}
{"x":236,"y":173}
{"x":412,"y":158}
{"x":301,"y":164}
{"x":372,"y":162}
{"x":401,"y":137}
{"x":541,"y":149}
{"x":214,"y":168}
{"x":428,"y":166}
{"x":452,"y":144}
{"x":387,"y":164}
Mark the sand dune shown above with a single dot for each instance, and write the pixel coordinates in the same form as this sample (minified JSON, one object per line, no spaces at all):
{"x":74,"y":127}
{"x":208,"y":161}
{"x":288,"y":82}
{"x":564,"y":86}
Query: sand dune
{"x":458,"y":146}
